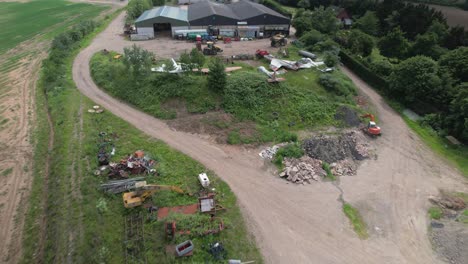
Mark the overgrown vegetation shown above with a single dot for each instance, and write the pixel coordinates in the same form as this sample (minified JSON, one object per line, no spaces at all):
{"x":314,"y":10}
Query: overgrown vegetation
{"x":356,"y":220}
{"x":277,"y":110}
{"x":86,"y":225}
{"x":293,"y":150}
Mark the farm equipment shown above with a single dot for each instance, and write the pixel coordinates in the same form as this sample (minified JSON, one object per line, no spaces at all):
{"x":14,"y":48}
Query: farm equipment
{"x":371,"y":128}
{"x":136,"y":198}
{"x":211,"y":49}
{"x":278,"y":40}
{"x":261,"y":53}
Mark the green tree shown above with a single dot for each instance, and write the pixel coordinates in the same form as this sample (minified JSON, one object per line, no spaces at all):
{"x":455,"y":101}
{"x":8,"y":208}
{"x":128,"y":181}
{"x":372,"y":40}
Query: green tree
{"x":302,"y":22}
{"x":361,"y":43}
{"x":382,"y":67}
{"x":304,"y":4}
{"x":369,"y":23}
{"x":456,"y":37}
{"x":324,"y":20}
{"x":158,"y":2}
{"x":439,"y":29}
{"x":394,"y":44}
{"x":217,"y":78}
{"x":186,"y":62}
{"x":136,"y":7}
{"x":417,"y":79}
{"x":427,"y":45}
{"x":457,"y":119}
{"x":312,"y":37}
{"x":197,"y":58}
{"x":138,"y":61}
{"x":456,"y":62}
{"x":330,"y":59}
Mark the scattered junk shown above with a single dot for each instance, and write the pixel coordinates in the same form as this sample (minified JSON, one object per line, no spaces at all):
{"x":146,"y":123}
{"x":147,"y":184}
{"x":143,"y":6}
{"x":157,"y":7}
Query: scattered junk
{"x":207,"y":204}
{"x":303,"y":170}
{"x":176,"y":68}
{"x":217,"y":251}
{"x":270,"y":152}
{"x":96,"y":110}
{"x":242,"y":57}
{"x":275,"y":79}
{"x":204,"y":181}
{"x":106,"y":148}
{"x":163,"y":212}
{"x":137,"y":163}
{"x":184,"y":249}
{"x":120,"y":186}
{"x":327,"y":70}
{"x":278,"y":40}
{"x":227,"y":69}
{"x":129,"y":29}
{"x":134,"y":239}
{"x":307,"y":54}
{"x":261,"y":53}
{"x":118,"y":56}
{"x":211,"y":49}
{"x":270,"y":73}
{"x":171,"y":229}
{"x":137,"y":197}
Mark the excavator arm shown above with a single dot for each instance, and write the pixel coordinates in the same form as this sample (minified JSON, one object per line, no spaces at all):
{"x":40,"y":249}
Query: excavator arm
{"x":370,"y":116}
{"x":136,"y":198}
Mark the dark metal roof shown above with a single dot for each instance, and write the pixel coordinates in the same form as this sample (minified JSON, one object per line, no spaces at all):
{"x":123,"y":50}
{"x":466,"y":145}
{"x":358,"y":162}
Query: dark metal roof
{"x":207,"y":8}
{"x":241,"y":10}
{"x":247,"y":9}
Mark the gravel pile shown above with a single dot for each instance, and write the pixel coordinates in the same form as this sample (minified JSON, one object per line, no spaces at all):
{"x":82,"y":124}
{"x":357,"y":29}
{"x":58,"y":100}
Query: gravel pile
{"x":331,"y":148}
{"x":348,"y":116}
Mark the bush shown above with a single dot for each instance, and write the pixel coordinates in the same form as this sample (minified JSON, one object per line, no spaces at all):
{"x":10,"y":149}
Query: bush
{"x":289,"y":151}
{"x":276,"y":6}
{"x":435,"y":212}
{"x":246,"y":93}
{"x":337,"y":85}
{"x":312,"y":37}
{"x":382,"y":67}
{"x":327,"y":169}
{"x":363,"y":72}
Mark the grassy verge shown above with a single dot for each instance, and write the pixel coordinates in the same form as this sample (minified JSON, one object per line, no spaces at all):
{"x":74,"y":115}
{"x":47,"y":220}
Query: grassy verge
{"x":356,"y":220}
{"x":86,"y":225}
{"x":457,"y":155}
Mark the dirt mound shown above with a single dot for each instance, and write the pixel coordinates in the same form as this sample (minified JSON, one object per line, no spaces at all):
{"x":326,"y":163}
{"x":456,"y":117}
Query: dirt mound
{"x":336,"y":148}
{"x":348,"y":116}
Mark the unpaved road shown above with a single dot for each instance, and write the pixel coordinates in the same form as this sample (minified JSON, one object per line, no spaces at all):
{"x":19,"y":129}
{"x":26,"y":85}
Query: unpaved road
{"x":305,"y":224}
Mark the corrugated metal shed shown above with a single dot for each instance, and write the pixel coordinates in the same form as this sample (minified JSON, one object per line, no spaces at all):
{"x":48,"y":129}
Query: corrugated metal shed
{"x":164,"y":14}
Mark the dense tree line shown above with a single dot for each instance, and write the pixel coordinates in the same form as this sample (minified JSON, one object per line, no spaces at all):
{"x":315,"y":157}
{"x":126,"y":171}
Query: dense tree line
{"x":409,"y":46}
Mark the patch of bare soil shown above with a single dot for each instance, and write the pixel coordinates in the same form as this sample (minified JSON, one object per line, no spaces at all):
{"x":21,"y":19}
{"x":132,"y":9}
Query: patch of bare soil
{"x":449,"y":235}
{"x":17,"y":108}
{"x":455,"y":16}
{"x":214,"y":125}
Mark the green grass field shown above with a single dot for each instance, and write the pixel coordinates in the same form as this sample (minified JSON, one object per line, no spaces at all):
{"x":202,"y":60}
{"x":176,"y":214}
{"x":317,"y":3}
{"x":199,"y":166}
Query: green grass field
{"x":23,"y":21}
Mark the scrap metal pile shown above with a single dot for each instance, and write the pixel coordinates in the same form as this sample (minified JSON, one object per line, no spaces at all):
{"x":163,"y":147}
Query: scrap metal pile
{"x":303,"y":170}
{"x":135,"y":164}
{"x":119,"y":186}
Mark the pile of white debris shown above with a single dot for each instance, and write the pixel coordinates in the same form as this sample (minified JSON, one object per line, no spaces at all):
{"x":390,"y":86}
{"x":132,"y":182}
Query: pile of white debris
{"x":303,"y":170}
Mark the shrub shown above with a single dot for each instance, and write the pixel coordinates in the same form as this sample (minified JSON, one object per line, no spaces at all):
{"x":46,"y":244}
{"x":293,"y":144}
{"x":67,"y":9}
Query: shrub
{"x":435,"y":212}
{"x":336,"y":85}
{"x":289,"y":151}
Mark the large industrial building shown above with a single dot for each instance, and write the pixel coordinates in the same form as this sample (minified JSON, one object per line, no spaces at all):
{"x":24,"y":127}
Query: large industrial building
{"x":243,"y":18}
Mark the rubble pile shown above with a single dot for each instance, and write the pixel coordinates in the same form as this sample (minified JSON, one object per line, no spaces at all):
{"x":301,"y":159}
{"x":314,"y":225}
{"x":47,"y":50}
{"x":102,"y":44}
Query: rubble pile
{"x":448,"y":202}
{"x":270,"y":152}
{"x":336,"y":148}
{"x":343,"y":167}
{"x":137,"y":163}
{"x":302,"y":170}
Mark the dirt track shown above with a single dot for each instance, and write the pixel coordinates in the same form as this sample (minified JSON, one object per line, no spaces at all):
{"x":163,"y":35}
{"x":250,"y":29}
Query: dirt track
{"x":305,"y":224}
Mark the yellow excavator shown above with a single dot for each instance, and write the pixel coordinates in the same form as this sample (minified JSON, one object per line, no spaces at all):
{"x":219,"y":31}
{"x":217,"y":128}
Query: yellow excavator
{"x":136,"y":198}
